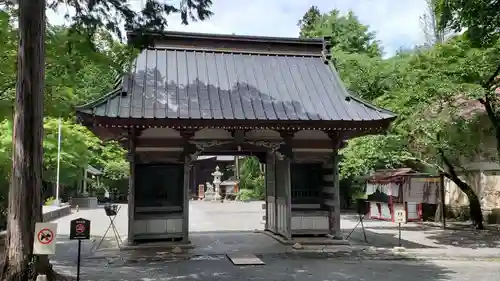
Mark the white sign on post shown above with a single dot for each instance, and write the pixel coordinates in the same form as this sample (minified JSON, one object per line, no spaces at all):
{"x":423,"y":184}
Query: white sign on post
{"x":45,"y":238}
{"x":399,"y":213}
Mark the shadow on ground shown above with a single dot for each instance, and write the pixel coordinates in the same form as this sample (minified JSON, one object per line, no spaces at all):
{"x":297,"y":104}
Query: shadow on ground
{"x":289,"y":266}
{"x":417,"y":235}
{"x":472,"y":239}
{"x":382,"y":240}
{"x":67,"y":250}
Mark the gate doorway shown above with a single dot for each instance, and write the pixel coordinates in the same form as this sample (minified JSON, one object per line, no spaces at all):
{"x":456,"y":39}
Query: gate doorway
{"x":189,"y":95}
{"x":227,"y":194}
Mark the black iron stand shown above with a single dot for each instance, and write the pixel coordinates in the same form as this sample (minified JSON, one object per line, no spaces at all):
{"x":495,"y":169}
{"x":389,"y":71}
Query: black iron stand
{"x":111,"y":213}
{"x":361,"y":217}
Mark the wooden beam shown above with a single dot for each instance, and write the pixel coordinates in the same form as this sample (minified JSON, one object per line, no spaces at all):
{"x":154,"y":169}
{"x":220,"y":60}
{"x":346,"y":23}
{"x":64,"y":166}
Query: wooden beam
{"x":337,"y":139}
{"x":286,"y":148}
{"x":188,"y":148}
{"x":238,"y":135}
{"x":304,"y":144}
{"x":363,"y":126}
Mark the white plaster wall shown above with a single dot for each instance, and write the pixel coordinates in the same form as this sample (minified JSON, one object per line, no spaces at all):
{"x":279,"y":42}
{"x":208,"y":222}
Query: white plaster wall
{"x":484,"y":179}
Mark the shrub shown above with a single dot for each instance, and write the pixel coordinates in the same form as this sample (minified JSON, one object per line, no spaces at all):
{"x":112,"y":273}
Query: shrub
{"x":49,"y":201}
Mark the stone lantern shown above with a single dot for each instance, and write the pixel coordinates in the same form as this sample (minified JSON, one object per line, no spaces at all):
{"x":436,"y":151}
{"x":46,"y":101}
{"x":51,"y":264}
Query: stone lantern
{"x":217,"y":181}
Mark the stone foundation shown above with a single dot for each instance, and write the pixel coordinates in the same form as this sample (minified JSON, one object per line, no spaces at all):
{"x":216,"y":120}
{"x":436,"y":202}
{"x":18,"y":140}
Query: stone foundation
{"x":84,"y":202}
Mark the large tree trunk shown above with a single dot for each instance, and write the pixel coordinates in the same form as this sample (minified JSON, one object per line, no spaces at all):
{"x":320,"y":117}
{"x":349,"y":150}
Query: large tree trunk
{"x":490,"y":104}
{"x":26,"y":179}
{"x":476,"y":213}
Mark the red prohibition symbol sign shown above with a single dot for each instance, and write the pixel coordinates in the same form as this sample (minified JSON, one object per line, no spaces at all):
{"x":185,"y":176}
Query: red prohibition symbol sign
{"x":80,"y":228}
{"x":45,"y":236}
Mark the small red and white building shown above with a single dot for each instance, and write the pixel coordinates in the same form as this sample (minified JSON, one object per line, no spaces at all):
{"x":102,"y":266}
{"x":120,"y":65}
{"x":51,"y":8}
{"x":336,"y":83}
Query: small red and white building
{"x":387,"y":188}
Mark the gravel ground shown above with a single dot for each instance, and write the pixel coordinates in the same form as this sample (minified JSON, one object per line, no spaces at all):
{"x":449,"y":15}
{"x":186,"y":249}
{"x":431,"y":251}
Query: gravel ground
{"x":374,"y":261}
{"x":279,"y":267}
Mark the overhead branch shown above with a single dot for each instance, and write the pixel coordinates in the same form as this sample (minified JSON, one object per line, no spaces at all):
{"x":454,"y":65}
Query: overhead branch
{"x":491,"y":81}
{"x":487,"y":85}
{"x":486,"y":102}
{"x":425,"y":163}
{"x":449,"y":169}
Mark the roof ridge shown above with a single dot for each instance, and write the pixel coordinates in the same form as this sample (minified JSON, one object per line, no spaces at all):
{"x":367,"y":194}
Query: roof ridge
{"x":368,"y":104}
{"x":104,"y":98}
{"x":237,"y":52}
{"x":220,"y":36}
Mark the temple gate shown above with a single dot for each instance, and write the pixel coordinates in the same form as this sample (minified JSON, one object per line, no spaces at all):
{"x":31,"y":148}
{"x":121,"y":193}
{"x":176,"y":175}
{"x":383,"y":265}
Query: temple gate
{"x":279,"y":99}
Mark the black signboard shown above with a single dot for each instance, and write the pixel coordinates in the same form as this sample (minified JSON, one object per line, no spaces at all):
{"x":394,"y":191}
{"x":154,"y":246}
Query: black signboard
{"x":79,"y":229}
{"x":362,"y":206}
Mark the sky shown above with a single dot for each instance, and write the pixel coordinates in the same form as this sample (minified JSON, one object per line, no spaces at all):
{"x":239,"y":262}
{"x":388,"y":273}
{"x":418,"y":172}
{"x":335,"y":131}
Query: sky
{"x":396,"y":22}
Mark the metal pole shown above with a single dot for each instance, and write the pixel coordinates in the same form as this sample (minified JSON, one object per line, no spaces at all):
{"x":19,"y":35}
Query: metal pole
{"x":58,"y":161}
{"x":78,"y":260}
{"x":399,"y":230}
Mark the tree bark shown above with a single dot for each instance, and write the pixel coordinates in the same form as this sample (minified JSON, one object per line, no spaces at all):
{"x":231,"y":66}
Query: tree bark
{"x":26,"y":178}
{"x":476,"y":213}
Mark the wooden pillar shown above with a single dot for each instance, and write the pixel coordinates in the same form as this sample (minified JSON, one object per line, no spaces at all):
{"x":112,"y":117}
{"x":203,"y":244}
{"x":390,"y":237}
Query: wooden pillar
{"x":185,"y":207}
{"x":283,"y":198}
{"x":334,"y":209}
{"x":271,"y":211}
{"x":285,"y":156}
{"x":288,"y":196}
{"x":333,"y":202}
{"x":131,"y":185}
{"x":187,"y":152}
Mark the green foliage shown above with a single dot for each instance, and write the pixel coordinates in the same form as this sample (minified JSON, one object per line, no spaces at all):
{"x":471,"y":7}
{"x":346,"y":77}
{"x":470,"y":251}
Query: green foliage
{"x":347,"y":33}
{"x":80,"y":74}
{"x":478,"y":18}
{"x":434,"y":92}
{"x":366,"y":154}
{"x":434,"y":34}
{"x":78,"y":148}
{"x":366,"y":76}
{"x":90,"y":17}
{"x":309,"y":22}
{"x":49,"y":201}
{"x":73,"y":76}
{"x":246,"y":195}
{"x":8,"y":58}
{"x":251,"y":179}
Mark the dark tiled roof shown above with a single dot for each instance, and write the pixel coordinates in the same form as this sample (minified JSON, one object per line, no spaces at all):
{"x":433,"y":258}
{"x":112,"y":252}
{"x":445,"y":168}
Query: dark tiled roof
{"x":196,"y":83}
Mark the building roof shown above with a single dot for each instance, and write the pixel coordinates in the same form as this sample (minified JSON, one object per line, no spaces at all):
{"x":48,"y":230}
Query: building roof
{"x":393,"y":175}
{"x":220,"y":77}
{"x":93,"y":171}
